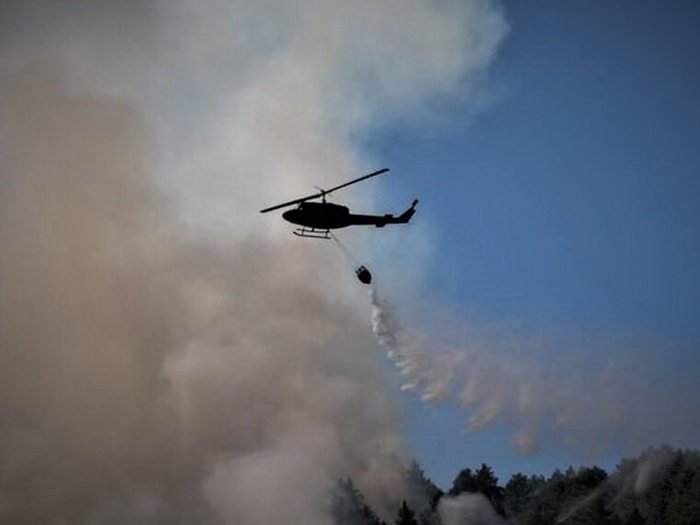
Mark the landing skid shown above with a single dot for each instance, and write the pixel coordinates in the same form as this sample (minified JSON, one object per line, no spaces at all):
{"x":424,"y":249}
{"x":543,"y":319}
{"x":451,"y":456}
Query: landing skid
{"x":312,"y":233}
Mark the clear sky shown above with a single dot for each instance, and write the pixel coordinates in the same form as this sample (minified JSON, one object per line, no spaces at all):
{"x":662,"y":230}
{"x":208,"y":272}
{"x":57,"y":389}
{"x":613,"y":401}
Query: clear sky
{"x":571,"y":201}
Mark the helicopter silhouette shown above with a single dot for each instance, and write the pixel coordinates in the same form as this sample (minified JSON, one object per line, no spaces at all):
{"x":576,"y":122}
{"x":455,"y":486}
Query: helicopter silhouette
{"x":316,"y":219}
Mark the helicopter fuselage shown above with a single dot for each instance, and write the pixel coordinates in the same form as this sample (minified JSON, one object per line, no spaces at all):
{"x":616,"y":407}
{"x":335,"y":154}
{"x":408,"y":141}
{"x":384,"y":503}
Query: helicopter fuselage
{"x":319,"y":215}
{"x":329,"y":216}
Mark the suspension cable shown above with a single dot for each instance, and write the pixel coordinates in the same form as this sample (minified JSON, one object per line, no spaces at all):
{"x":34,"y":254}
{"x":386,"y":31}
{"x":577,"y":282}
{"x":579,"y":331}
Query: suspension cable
{"x":351,"y":259}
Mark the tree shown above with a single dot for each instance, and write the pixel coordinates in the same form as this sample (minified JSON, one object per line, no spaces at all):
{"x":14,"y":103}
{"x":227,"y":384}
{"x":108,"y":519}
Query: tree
{"x":635,"y":518}
{"x":429,"y":517}
{"x":349,"y":508}
{"x":660,"y":487}
{"x":423,"y":494}
{"x":406,"y":515}
{"x":674,"y":496}
{"x":487,"y":484}
{"x":515,"y":494}
{"x":464,"y":482}
{"x":590,"y":477}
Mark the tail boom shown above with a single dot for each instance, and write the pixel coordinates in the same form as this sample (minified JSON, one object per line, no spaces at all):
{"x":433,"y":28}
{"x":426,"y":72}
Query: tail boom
{"x":382,"y":220}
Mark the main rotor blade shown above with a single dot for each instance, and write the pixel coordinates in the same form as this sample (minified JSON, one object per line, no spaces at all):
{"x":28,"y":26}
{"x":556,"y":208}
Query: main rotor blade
{"x":295,"y":201}
{"x":373,"y":174}
{"x":324,"y":192}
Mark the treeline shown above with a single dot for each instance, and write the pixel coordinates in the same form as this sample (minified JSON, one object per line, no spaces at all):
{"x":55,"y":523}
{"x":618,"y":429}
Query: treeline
{"x":660,"y":487}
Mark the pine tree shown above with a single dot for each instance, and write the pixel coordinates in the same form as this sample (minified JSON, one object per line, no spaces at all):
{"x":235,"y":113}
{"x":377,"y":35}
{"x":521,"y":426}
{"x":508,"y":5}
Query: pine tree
{"x":515,"y":494}
{"x":429,"y":517}
{"x":487,"y":484}
{"x":635,"y":518}
{"x":349,"y":508}
{"x":424,"y":492}
{"x":406,"y":515}
{"x":464,"y":482}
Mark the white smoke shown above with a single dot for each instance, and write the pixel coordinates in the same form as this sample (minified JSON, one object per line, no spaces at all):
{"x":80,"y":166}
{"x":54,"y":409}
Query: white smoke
{"x":166,"y":356}
{"x":468,"y":509}
{"x":307,"y":80}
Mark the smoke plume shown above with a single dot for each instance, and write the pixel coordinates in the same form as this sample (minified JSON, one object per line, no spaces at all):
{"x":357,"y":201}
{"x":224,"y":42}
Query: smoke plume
{"x":166,"y":356}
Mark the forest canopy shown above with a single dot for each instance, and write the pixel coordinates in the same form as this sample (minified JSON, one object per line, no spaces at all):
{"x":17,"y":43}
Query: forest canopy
{"x":661,"y":486}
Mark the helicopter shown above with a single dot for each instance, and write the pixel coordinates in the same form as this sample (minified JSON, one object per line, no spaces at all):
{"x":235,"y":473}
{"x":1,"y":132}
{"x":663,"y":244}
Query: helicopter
{"x":316,"y":219}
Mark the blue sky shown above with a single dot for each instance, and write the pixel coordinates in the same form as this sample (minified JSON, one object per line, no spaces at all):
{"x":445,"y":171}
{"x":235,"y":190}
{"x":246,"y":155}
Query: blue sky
{"x":570,"y":202}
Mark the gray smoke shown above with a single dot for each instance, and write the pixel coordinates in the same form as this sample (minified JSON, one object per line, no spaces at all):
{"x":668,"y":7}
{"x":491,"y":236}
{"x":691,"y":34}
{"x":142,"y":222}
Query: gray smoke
{"x":148,"y":375}
{"x":167,"y":356}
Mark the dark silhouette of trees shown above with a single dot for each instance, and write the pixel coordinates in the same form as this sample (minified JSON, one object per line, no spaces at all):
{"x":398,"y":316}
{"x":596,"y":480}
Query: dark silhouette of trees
{"x":348,"y":506}
{"x":483,"y":481}
{"x":429,"y":517}
{"x":660,"y":487}
{"x":487,"y":484}
{"x":406,"y":515}
{"x":518,"y":492}
{"x":423,"y":493}
{"x":464,"y":482}
{"x":635,"y":518}
{"x":674,"y":497}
